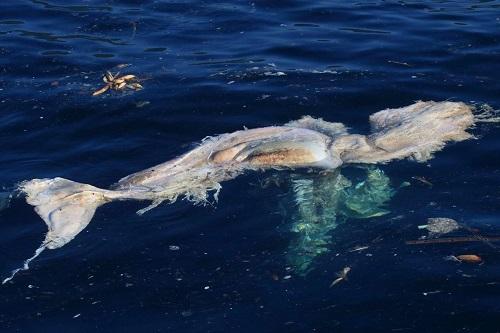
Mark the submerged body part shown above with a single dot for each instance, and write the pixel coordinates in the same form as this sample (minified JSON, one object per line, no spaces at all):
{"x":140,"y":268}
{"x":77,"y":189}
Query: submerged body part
{"x":324,"y":201}
{"x":415,"y":131}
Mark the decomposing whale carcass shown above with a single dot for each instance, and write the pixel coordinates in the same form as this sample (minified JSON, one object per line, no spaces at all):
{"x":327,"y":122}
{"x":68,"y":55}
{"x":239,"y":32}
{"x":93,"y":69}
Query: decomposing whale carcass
{"x":415,"y":131}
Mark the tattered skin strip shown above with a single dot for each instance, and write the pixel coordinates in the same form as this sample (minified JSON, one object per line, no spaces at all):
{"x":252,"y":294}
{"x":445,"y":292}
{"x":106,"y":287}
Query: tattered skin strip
{"x":415,"y":131}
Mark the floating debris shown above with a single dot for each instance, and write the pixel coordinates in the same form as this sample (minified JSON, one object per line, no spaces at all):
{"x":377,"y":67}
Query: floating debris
{"x":116,"y":82}
{"x":467,"y":258}
{"x":399,"y":63}
{"x":274,"y":74}
{"x":451,"y":258}
{"x":342,"y":276}
{"x":438,"y":226}
{"x":359,"y":248}
{"x":142,"y":104}
{"x":470,"y":258}
{"x":448,"y":240}
{"x":404,"y":184}
{"x":476,"y":234}
{"x":423,"y":181}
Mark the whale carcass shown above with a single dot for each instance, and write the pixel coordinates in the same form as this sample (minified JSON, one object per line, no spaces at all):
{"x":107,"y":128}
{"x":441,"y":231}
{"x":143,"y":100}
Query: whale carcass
{"x":415,"y":131}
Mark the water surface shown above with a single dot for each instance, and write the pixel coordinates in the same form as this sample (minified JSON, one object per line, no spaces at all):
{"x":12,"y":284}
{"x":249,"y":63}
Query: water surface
{"x":213,"y":67}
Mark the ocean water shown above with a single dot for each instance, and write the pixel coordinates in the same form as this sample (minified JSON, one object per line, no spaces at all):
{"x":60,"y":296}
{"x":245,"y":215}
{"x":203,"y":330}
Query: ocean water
{"x":211,"y":67}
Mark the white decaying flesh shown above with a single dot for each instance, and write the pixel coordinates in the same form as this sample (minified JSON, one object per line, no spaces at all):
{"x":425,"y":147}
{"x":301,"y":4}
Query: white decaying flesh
{"x":415,"y":131}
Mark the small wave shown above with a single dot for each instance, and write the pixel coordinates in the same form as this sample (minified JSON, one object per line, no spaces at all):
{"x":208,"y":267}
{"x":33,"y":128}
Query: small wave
{"x":365,"y":31}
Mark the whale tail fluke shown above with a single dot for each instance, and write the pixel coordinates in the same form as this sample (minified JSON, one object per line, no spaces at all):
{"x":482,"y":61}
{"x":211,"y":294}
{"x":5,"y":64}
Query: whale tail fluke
{"x":66,"y":207}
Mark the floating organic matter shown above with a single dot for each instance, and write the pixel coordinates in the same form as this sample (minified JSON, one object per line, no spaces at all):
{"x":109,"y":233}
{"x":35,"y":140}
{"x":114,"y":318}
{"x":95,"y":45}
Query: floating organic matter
{"x":415,"y":131}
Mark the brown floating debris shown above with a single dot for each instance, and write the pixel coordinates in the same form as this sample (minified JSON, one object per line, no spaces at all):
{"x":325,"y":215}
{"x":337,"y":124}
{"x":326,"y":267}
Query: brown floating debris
{"x":470,"y":258}
{"x":108,"y":77}
{"x":453,"y":240}
{"x":100,"y":91}
{"x":128,"y":77}
{"x":136,"y":86}
{"x":476,"y":234}
{"x":116,"y":82}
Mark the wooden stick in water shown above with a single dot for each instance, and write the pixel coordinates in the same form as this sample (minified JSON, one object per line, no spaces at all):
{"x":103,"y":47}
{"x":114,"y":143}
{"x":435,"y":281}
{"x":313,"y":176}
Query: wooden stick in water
{"x":453,"y":240}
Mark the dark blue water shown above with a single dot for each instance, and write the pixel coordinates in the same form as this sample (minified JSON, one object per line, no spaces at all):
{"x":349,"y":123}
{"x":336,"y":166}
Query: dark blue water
{"x":211,"y":67}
